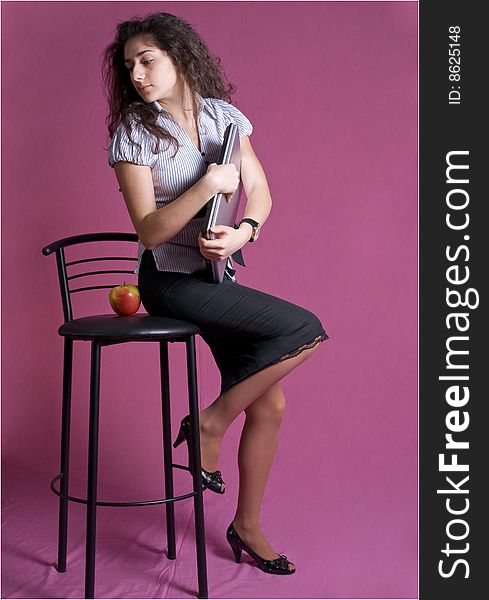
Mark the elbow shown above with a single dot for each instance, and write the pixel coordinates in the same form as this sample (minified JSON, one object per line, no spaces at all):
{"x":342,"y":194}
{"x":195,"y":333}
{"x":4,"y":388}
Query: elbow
{"x":150,"y":243}
{"x":145,"y":235}
{"x":145,"y":240}
{"x":147,"y":245}
{"x":151,"y":234}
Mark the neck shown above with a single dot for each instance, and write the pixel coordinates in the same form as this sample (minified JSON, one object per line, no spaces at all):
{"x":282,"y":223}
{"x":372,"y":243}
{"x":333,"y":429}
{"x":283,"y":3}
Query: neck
{"x":180,"y":106}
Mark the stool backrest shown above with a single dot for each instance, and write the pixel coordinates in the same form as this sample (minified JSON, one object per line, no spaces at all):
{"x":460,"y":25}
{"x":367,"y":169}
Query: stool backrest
{"x":65,"y":278}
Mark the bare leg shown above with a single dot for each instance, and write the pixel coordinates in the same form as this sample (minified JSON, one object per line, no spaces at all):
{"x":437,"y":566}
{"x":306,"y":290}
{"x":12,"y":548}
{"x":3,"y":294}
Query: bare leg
{"x":258,"y":444}
{"x":216,"y":418}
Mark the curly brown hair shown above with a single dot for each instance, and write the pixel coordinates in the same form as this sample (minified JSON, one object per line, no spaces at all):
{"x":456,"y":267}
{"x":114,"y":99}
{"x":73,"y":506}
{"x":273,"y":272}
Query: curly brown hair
{"x":192,"y":58}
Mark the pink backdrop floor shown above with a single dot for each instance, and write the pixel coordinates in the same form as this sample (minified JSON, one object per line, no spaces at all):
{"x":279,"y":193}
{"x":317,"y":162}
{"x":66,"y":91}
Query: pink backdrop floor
{"x":131,"y":548}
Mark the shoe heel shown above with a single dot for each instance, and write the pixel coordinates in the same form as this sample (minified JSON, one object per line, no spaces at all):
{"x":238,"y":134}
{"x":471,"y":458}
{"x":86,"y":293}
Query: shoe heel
{"x":236,"y":548}
{"x":180,"y":437}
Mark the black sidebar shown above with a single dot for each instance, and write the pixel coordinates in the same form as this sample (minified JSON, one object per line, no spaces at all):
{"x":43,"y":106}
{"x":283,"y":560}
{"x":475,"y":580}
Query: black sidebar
{"x":453,"y":326}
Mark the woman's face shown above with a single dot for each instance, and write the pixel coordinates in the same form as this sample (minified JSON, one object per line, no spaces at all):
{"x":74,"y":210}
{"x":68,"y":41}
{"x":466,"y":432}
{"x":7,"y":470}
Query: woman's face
{"x":152,"y":71}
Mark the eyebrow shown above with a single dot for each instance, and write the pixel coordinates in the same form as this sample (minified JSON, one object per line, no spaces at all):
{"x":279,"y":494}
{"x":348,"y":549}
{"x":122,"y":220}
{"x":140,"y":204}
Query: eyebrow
{"x":127,"y":60}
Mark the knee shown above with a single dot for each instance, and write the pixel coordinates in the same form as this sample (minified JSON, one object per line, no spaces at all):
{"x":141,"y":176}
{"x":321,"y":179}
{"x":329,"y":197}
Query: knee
{"x":276,"y":407}
{"x":316,"y":329}
{"x":270,"y":406}
{"x":312,"y":322}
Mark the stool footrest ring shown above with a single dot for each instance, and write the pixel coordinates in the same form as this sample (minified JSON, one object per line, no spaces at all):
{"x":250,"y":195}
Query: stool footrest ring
{"x":145,"y":503}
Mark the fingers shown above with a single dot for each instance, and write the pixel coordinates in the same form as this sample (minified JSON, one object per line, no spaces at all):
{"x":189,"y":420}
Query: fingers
{"x":221,"y":231}
{"x":212,"y":253}
{"x":215,"y":249}
{"x":206,"y":244}
{"x":225,"y":178}
{"x":212,"y":244}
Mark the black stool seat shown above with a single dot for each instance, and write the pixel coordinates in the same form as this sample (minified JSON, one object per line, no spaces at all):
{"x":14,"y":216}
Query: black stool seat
{"x":133,"y":327}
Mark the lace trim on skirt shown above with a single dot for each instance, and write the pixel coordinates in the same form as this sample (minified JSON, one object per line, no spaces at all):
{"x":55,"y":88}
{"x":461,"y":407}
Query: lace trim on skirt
{"x":319,"y":338}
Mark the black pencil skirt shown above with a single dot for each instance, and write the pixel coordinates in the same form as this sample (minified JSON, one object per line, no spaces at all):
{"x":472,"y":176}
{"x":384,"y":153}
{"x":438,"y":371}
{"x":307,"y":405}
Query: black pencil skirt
{"x":245,"y":329}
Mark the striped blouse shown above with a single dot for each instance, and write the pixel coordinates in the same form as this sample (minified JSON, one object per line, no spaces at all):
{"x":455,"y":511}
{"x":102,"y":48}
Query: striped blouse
{"x":172,"y":177}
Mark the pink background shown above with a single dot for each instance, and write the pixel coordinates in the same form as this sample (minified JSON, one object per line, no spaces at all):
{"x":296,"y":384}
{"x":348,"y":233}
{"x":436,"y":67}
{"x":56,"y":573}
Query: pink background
{"x":331,"y":89}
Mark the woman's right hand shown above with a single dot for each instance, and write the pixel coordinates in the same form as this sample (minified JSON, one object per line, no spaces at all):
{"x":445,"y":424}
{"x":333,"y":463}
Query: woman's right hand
{"x":223,"y":179}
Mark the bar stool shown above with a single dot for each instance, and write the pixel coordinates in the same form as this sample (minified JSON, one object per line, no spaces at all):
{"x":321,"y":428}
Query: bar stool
{"x":105,"y":330}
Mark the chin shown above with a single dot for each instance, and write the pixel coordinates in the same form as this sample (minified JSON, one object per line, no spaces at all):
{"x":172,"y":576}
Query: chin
{"x":148,"y":98}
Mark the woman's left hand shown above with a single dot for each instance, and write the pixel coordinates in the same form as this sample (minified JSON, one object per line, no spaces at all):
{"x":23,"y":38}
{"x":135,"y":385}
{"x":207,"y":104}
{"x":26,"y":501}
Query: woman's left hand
{"x":228,"y":240}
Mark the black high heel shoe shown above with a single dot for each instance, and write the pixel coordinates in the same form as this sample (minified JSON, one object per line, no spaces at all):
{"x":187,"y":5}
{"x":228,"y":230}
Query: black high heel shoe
{"x":212,"y":481}
{"x":277,"y":566}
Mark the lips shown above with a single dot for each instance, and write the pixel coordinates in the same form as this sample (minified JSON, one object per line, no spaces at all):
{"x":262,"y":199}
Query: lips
{"x":143,"y":88}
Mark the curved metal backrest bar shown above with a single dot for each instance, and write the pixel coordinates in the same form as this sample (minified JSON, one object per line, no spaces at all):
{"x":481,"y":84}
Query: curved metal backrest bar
{"x":84,"y":260}
{"x":87,"y":273}
{"x":94,"y":287}
{"x":77,"y":262}
{"x":112,"y":236}
{"x":58,"y":247}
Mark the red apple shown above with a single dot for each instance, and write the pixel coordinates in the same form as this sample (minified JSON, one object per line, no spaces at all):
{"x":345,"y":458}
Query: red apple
{"x":125,"y":299}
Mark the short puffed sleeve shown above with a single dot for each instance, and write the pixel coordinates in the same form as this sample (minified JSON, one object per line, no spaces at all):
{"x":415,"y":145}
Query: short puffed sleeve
{"x":234,"y":115}
{"x":122,"y":149}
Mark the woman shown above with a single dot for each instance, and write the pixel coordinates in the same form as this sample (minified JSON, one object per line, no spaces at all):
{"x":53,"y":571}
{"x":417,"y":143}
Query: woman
{"x":169,"y":108}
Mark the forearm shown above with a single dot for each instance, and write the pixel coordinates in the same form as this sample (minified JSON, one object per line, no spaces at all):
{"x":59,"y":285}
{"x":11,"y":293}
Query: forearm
{"x":229,"y":240}
{"x":258,"y":206}
{"x":164,"y":223}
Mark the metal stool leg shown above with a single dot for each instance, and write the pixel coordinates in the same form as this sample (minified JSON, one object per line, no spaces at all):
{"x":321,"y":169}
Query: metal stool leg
{"x":167,"y":449}
{"x":92,"y":470}
{"x":65,"y":454}
{"x":196,"y":467}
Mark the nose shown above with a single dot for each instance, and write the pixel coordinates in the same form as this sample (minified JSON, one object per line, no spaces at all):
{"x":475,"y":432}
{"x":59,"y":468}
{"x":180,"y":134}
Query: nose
{"x":137,"y":73}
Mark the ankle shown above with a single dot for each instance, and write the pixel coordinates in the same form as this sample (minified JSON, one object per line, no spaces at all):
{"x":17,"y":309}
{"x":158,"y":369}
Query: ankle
{"x":247,"y":525}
